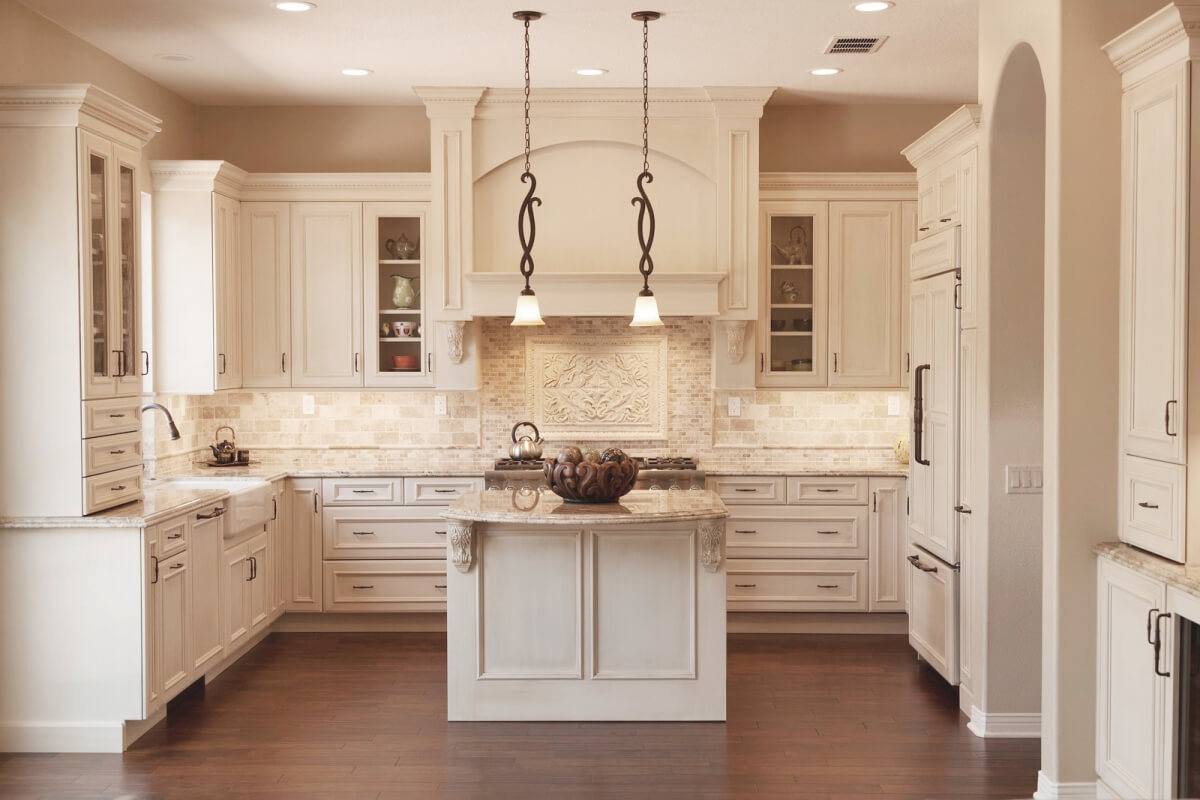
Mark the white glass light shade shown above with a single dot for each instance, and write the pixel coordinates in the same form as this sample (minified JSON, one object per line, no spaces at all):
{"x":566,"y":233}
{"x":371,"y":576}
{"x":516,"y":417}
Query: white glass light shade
{"x":528,"y":312}
{"x":645,"y":312}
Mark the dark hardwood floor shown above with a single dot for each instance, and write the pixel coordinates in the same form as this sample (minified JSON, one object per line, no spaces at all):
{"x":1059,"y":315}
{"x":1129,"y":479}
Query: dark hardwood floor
{"x":363,"y":716}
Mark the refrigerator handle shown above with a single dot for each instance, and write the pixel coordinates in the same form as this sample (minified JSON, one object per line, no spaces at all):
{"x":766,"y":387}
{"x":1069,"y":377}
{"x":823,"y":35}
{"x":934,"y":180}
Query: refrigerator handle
{"x":919,"y":415}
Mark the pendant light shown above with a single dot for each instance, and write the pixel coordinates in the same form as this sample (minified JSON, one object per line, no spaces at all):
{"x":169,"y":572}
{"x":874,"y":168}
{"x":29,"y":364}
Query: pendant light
{"x":527,"y":304}
{"x":645,"y":310}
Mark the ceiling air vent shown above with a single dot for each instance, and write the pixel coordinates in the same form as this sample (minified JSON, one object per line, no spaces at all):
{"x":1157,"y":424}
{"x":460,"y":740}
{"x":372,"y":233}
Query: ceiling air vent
{"x":856,"y":44}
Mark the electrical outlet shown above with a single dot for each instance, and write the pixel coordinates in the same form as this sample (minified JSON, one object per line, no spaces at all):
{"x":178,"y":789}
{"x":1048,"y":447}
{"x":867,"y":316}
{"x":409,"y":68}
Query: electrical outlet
{"x":1023,"y":480}
{"x":894,"y":405}
{"x":308,"y":404}
{"x":439,"y":405}
{"x":735,"y":406}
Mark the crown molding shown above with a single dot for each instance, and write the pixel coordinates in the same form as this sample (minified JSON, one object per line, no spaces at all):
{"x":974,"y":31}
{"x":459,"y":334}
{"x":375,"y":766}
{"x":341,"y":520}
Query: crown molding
{"x":697,"y":102}
{"x":1175,"y":27}
{"x":951,"y":134}
{"x":185,"y":176}
{"x":837,"y":185}
{"x":457,"y":102}
{"x":294,"y":186}
{"x":72,"y":105}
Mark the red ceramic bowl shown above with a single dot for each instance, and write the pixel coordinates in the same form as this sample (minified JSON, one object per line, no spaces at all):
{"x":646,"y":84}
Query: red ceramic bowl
{"x":404,"y":362}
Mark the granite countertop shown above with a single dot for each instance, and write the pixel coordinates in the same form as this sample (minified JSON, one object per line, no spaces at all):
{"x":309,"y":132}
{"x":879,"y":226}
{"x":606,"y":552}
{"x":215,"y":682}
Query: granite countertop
{"x":157,"y":503}
{"x":546,"y":508}
{"x":871,"y":470}
{"x":1169,"y":572}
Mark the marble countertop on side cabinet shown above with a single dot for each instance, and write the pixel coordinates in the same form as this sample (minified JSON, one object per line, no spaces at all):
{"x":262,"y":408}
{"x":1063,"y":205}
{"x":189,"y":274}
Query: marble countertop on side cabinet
{"x":546,"y":508}
{"x":1178,"y":575}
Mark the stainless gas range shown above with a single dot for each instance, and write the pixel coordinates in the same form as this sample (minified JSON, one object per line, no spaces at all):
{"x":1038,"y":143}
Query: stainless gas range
{"x":654,"y":473}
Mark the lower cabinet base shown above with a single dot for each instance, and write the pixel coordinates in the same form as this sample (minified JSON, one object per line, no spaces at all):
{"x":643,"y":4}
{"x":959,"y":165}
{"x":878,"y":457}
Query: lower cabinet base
{"x":829,"y":622}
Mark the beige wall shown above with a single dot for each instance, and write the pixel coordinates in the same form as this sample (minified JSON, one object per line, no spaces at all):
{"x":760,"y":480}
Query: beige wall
{"x":843,"y":138}
{"x":35,"y":50}
{"x":1080,"y":355}
{"x":316,"y":138}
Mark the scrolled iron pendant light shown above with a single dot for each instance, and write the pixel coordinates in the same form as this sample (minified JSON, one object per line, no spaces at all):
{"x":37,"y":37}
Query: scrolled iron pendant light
{"x":645,"y":310}
{"x":527,"y":312}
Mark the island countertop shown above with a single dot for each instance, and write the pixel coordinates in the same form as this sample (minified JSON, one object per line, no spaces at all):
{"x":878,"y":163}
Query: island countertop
{"x":546,"y":508}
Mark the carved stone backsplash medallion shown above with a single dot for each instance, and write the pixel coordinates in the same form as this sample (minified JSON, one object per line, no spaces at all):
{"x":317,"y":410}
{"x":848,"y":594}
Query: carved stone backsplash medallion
{"x":598,"y":387}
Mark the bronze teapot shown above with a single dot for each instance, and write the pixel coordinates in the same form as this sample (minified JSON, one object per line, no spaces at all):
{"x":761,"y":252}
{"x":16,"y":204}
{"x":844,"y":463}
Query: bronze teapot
{"x":224,"y":452}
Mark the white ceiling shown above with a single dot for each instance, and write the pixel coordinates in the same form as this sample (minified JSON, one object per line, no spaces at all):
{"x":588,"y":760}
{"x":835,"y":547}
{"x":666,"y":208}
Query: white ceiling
{"x":247,"y":53}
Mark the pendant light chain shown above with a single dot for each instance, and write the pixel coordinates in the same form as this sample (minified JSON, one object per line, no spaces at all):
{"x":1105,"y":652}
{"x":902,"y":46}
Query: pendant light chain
{"x":527,"y":94}
{"x":642,"y":201}
{"x":645,"y":94}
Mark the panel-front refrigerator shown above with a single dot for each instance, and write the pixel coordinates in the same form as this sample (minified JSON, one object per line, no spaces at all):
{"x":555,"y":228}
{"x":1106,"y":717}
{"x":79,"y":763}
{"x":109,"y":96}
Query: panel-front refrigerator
{"x":934,"y":468}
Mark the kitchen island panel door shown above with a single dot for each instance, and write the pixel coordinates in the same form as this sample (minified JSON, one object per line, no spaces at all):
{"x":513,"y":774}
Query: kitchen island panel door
{"x":633,"y":571}
{"x":530,"y":605}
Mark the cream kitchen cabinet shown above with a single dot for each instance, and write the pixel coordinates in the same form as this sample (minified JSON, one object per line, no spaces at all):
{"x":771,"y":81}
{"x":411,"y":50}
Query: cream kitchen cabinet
{"x":947,"y":162}
{"x":168,"y":611}
{"x":832,"y":294}
{"x":248,"y":590}
{"x":197,"y":287}
{"x":327,"y":295}
{"x":1135,"y":687}
{"x":828,"y":544}
{"x":1158,"y":371}
{"x":206,"y":548}
{"x":265,"y":294}
{"x":280,"y":527}
{"x":302,"y":561}
{"x":394,"y":247}
{"x":71,"y":160}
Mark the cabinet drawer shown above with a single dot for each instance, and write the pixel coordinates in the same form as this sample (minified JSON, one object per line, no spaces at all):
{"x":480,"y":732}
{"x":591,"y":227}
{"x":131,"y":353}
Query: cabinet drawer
{"x":387,"y":532}
{"x":379,"y":586}
{"x":739,"y":490}
{"x":106,"y":453}
{"x":827,"y":491}
{"x":118,"y":415}
{"x":438,"y":491}
{"x":173,"y":536}
{"x":788,"y":532}
{"x":362,"y":491}
{"x":1152,"y":506}
{"x":794,"y":585}
{"x":112,"y":489}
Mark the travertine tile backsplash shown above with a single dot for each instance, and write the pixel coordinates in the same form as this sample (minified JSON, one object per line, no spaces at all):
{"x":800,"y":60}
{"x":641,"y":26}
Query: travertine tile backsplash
{"x":398,"y":428}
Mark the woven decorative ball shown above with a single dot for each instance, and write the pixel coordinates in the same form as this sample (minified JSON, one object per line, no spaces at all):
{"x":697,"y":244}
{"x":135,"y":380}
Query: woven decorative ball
{"x":591,"y":481}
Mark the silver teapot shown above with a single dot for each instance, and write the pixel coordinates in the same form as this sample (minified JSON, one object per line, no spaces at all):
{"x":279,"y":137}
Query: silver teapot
{"x":526,"y":447}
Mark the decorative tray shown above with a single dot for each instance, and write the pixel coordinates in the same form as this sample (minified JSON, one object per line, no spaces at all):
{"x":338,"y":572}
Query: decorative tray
{"x":229,"y":463}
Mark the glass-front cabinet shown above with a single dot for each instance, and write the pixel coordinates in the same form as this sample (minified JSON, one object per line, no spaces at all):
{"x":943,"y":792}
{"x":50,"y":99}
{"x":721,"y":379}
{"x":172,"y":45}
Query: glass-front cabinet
{"x":396,"y":328}
{"x":793,"y":326}
{"x":112,"y":355}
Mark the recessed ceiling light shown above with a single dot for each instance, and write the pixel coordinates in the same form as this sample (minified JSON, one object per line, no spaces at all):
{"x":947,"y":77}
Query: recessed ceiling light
{"x":295,"y":5}
{"x":590,"y":71}
{"x":822,"y":71}
{"x":874,"y":5}
{"x":356,"y":72}
{"x":173,"y":57}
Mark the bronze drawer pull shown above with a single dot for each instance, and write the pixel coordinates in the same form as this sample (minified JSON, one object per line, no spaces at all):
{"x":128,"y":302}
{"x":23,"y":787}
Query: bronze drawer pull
{"x":363,"y":533}
{"x":216,"y":512}
{"x":440,"y":533}
{"x":744,"y":585}
{"x":746,"y":532}
{"x":120,"y":488}
{"x":445,"y":491}
{"x":364,"y":586}
{"x":116,"y":452}
{"x":828,"y":533}
{"x":116,"y":416}
{"x":827,"y":586}
{"x":829,"y":491}
{"x":174,"y":536}
{"x":736,"y":489}
{"x":944,"y":219}
{"x":178,"y":565}
{"x":1148,"y":505}
{"x":363,"y":491}
{"x":439,"y":586}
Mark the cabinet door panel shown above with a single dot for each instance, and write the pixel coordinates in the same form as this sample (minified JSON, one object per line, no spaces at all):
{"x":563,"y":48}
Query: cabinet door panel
{"x":266,"y":294}
{"x":792,"y":327}
{"x":1154,"y":268}
{"x":259,"y":551}
{"x":327,"y":294}
{"x":968,"y":177}
{"x":887,"y":545}
{"x":205,"y":546}
{"x":226,"y":234}
{"x":948,"y":187}
{"x":237,"y":597}
{"x":864,"y":294}
{"x":153,"y":633}
{"x":1130,"y":696}
{"x":96,"y":206}
{"x":304,"y":546}
{"x":174,"y":623}
{"x":126,"y":277}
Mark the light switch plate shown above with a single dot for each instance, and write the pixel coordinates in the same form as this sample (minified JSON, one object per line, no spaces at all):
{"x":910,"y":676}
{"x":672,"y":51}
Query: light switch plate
{"x":308,"y":404}
{"x":894,"y":405}
{"x":439,"y":405}
{"x":1023,"y":480}
{"x":735,"y":406}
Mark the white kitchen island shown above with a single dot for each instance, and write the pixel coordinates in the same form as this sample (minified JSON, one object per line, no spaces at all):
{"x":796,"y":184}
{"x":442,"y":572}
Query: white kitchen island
{"x":559,"y":611}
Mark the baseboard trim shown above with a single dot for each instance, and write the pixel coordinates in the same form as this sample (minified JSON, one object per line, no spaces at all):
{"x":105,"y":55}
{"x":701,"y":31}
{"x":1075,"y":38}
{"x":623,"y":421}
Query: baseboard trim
{"x":1051,"y":790}
{"x":814,"y":622}
{"x":1006,"y":726}
{"x":62,"y":737}
{"x":316,"y":622}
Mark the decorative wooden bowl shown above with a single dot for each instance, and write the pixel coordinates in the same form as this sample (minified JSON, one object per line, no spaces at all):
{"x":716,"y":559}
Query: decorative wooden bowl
{"x":591,"y":481}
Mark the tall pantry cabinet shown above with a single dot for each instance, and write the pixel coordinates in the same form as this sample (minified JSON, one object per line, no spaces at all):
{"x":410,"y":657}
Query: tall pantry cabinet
{"x":70,"y":161}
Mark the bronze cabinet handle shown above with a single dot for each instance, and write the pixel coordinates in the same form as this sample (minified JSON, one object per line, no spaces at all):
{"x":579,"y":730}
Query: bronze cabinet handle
{"x":918,"y":420}
{"x":827,"y":586}
{"x":120,"y":488}
{"x":1148,"y":505}
{"x":745,"y":585}
{"x":439,"y":586}
{"x":748,"y":532}
{"x":216,"y":512}
{"x":175,"y":536}
{"x":363,"y":533}
{"x":364,"y":586}
{"x":154,"y":580}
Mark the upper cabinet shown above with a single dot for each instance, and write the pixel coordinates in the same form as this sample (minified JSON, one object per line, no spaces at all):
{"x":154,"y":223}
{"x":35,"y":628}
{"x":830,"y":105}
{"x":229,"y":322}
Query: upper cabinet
{"x":394,"y":282}
{"x":197,"y":280}
{"x":71,"y":160}
{"x":947,"y":163}
{"x":833,"y":272}
{"x":1157,"y":368}
{"x":266,"y":294}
